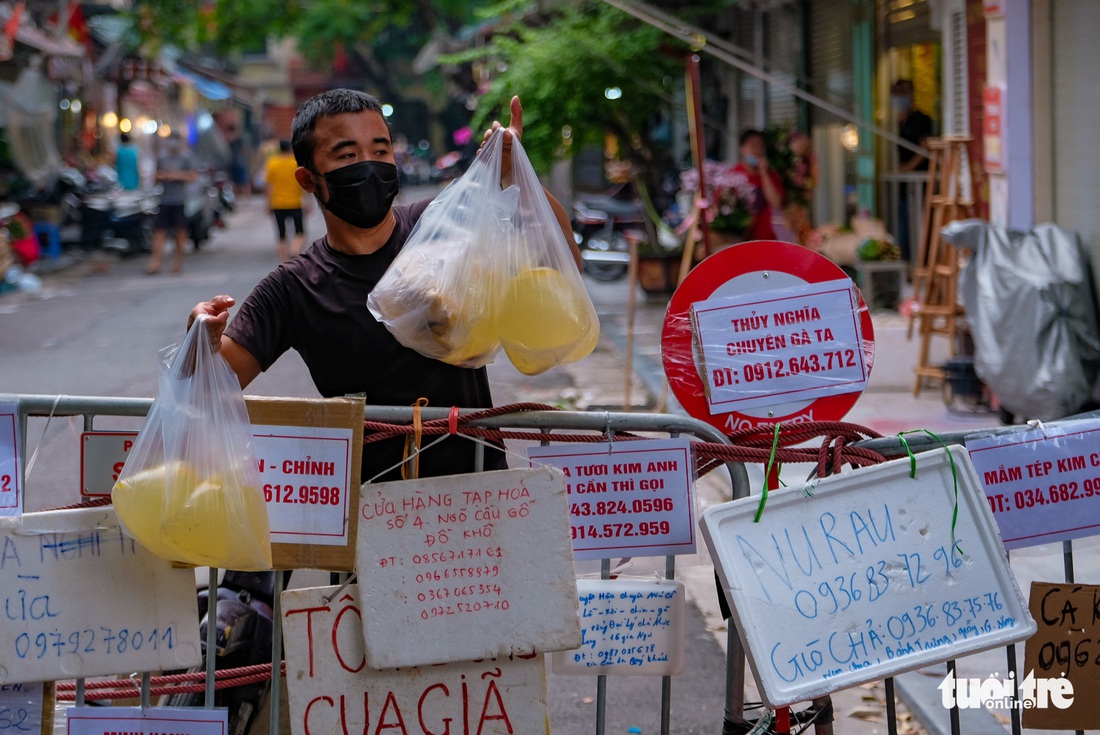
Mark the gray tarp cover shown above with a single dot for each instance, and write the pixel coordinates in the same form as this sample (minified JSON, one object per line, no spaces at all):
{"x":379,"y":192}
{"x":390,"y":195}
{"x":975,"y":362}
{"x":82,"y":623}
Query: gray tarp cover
{"x":1032,"y":312}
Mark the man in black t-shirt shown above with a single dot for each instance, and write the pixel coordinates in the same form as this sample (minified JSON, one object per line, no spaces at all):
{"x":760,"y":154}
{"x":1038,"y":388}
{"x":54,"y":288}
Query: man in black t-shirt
{"x":316,"y":302}
{"x":915,"y":127}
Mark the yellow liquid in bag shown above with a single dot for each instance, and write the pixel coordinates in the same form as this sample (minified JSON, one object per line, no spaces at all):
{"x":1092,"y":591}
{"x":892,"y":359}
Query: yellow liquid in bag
{"x":206,"y":522}
{"x":542,"y":321}
{"x":140,"y":503}
{"x":476,"y":341}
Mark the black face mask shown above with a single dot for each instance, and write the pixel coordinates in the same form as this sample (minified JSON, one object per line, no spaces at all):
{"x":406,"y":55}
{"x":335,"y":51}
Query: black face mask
{"x":361,"y":194}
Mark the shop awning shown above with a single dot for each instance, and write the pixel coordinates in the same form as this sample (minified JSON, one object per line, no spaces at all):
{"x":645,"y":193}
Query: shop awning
{"x":211,"y":89}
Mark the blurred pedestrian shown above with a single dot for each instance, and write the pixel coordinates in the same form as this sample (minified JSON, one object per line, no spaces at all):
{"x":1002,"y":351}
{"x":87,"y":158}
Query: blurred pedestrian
{"x":238,"y":161}
{"x":767,"y":183}
{"x":915,"y":127}
{"x":126,"y":163}
{"x":799,"y":181}
{"x":175,"y":170}
{"x":284,"y":199}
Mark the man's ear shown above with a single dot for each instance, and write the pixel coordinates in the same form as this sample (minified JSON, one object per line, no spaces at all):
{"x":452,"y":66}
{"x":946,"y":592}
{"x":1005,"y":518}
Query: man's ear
{"x":305,"y":179}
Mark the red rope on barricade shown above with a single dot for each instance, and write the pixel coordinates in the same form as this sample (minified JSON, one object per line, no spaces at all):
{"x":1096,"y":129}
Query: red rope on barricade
{"x":93,"y":503}
{"x":126,"y":688}
{"x":751,"y":445}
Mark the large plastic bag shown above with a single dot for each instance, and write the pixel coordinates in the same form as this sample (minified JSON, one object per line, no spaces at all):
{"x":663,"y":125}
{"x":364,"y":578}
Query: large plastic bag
{"x":1032,"y":312}
{"x":190,"y":489}
{"x":486,"y":268}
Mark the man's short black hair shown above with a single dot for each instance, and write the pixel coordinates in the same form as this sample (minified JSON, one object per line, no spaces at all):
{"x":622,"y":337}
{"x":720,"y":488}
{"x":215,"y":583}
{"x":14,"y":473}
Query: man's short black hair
{"x":124,"y":138}
{"x":749,"y":135}
{"x":284,"y":146}
{"x":326,"y":104}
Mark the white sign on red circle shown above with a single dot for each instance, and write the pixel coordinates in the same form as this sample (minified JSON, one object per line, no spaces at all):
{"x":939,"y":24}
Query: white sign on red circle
{"x":766,"y":332}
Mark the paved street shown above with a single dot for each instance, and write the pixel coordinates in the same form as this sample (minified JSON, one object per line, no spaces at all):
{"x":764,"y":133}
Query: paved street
{"x":96,"y":327}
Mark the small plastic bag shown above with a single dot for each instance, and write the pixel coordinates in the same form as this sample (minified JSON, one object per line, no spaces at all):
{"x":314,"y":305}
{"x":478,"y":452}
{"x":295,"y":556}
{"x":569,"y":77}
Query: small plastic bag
{"x":190,"y":489}
{"x":485,"y":269}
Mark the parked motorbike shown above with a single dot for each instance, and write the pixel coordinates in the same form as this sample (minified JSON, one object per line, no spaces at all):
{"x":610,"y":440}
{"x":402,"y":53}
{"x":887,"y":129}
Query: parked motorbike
{"x":243,"y":616}
{"x":58,"y":203}
{"x":600,"y":226}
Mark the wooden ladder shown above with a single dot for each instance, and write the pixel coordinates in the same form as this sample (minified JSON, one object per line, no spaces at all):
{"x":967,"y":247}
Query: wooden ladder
{"x":948,"y":197}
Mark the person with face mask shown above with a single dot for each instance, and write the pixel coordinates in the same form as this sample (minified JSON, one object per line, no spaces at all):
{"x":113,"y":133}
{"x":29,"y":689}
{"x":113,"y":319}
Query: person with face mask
{"x":769,"y":197}
{"x":916,"y":127}
{"x":316,"y":302}
{"x":175,"y":170}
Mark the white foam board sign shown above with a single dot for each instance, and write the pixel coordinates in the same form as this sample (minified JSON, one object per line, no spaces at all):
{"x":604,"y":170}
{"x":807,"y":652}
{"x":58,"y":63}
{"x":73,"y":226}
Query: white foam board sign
{"x":859,"y":577}
{"x":466,"y":567}
{"x":629,"y":627}
{"x":331,"y":689}
{"x":80,"y":598}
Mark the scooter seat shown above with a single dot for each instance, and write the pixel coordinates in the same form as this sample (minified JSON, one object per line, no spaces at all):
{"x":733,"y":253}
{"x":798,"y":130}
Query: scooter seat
{"x":613,"y":207}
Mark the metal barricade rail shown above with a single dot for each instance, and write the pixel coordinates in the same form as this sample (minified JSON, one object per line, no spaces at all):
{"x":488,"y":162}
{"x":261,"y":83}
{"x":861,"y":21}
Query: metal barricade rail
{"x":541,"y":424}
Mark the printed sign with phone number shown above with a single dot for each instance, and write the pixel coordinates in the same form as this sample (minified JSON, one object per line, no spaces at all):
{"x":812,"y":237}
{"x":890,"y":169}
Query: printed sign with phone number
{"x":631,"y":497}
{"x":11,"y":498}
{"x":1042,"y":485}
{"x":305,"y":471}
{"x":766,"y":348}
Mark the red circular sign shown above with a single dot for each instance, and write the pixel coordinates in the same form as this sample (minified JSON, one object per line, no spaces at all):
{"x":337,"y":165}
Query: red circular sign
{"x":750,"y":267}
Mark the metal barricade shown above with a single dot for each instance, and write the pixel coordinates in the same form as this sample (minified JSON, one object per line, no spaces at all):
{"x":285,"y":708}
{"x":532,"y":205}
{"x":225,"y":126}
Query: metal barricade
{"x":542,"y":426}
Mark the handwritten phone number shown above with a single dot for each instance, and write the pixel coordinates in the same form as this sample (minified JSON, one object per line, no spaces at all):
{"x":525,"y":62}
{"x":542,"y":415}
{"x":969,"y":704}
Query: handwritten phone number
{"x":302,"y":494}
{"x":445,"y":557}
{"x":910,"y":631}
{"x":966,"y":611}
{"x":88,"y":641}
{"x":1063,"y":492}
{"x":470,"y":590}
{"x":620,"y":507}
{"x":622,"y":530}
{"x":839,"y":593}
{"x":16,"y":719}
{"x":436,"y":575}
{"x":799,"y":365}
{"x":459,"y":608}
{"x":1079,"y":652}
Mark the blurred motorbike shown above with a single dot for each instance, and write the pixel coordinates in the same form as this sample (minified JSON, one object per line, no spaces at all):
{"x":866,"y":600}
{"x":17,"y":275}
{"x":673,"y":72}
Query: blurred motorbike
{"x":601,"y":225}
{"x":242,"y":612}
{"x":118,"y":220}
{"x":200,"y":207}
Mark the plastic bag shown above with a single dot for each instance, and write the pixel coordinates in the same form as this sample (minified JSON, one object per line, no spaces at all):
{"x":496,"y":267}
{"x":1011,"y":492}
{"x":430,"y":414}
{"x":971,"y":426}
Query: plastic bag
{"x":485,"y":269}
{"x":190,"y":489}
{"x":1032,"y":312}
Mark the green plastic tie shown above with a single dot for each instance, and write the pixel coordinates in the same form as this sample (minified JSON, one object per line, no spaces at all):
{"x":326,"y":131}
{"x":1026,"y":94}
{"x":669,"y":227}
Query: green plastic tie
{"x":767,"y":474}
{"x":954,"y":476}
